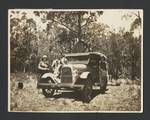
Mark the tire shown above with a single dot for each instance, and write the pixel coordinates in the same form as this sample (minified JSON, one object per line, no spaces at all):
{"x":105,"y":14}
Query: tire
{"x":48,"y":92}
{"x":87,"y":90}
{"x":103,"y":84}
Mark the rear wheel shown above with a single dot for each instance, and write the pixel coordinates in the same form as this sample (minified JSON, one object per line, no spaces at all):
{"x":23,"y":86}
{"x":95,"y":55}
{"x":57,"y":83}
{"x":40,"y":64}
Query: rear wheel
{"x":87,"y":90}
{"x":103,"y":84}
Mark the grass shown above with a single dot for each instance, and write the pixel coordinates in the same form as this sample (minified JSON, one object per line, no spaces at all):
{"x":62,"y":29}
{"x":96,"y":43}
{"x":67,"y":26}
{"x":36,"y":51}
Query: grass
{"x":124,"y":97}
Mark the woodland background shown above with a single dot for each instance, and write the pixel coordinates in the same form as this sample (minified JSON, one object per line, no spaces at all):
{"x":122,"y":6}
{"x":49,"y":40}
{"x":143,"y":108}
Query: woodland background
{"x":71,"y":32}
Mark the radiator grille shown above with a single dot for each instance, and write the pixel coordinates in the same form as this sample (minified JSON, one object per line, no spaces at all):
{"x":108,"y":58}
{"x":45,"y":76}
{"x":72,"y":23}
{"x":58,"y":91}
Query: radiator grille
{"x":66,"y":76}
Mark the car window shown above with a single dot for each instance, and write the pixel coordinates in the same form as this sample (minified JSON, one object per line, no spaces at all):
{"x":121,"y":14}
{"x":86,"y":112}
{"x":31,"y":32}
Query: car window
{"x":78,"y":59}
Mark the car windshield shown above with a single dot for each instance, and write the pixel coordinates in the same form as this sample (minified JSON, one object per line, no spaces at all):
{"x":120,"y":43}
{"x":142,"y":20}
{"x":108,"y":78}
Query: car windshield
{"x":78,"y":59}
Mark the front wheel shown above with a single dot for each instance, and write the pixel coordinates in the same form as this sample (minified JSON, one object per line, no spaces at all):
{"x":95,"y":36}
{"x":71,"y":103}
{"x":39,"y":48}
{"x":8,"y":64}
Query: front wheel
{"x":87,"y":90}
{"x":48,"y":92}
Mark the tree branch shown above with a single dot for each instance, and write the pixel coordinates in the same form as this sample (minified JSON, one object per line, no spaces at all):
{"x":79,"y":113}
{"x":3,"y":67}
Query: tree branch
{"x":64,"y":26}
{"x":87,"y":21}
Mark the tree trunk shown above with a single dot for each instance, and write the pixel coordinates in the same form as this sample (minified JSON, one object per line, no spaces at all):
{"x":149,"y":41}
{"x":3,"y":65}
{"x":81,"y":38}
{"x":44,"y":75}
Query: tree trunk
{"x":79,"y":27}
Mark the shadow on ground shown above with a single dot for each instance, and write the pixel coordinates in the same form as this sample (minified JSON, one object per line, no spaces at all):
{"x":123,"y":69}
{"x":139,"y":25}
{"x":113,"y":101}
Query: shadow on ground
{"x":77,"y":95}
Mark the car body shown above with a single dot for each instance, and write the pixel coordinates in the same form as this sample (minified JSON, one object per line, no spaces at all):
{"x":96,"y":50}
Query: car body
{"x":81,"y":73}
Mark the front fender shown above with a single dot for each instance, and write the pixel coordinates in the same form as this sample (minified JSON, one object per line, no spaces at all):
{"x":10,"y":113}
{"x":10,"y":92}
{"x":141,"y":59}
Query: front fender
{"x":52,"y":76}
{"x":84,"y":75}
{"x":46,"y":75}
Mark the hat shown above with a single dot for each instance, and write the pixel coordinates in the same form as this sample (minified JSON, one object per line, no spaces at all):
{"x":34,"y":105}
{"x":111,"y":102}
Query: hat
{"x":44,"y":56}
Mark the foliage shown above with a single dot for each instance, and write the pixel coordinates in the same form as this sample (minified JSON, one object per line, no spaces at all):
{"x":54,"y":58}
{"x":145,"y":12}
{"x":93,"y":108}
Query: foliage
{"x":74,"y":31}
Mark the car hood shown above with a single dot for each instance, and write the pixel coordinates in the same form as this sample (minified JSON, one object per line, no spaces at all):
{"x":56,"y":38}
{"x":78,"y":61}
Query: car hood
{"x":80,"y":67}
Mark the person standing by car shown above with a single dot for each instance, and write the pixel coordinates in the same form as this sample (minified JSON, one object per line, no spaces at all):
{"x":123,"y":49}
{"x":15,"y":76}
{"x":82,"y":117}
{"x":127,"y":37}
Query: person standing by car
{"x":43,"y":65}
{"x":62,"y":62}
{"x":103,"y":73}
{"x":55,"y":64}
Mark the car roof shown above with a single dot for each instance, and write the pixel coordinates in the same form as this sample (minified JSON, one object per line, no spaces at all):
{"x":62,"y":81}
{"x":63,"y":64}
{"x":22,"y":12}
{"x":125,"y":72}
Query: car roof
{"x":86,"y":54}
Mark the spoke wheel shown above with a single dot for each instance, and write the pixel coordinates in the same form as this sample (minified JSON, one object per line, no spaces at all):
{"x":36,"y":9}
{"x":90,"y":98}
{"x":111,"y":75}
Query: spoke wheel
{"x":87,"y":90}
{"x":48,"y":92}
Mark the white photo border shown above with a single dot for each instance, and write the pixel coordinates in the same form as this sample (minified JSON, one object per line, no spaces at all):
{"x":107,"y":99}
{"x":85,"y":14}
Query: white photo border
{"x":59,"y":10}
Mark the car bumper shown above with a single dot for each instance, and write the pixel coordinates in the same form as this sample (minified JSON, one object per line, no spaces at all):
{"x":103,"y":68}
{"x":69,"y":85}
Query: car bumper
{"x":59,"y":86}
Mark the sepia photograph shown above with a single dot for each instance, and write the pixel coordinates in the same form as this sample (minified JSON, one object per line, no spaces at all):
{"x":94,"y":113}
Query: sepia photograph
{"x":75,"y":60}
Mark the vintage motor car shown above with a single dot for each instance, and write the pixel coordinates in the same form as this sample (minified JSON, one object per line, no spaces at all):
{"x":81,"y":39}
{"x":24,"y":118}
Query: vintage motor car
{"x":81,"y":73}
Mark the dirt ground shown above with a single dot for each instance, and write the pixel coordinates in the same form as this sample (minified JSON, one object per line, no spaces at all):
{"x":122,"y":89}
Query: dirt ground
{"x":124,"y":97}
